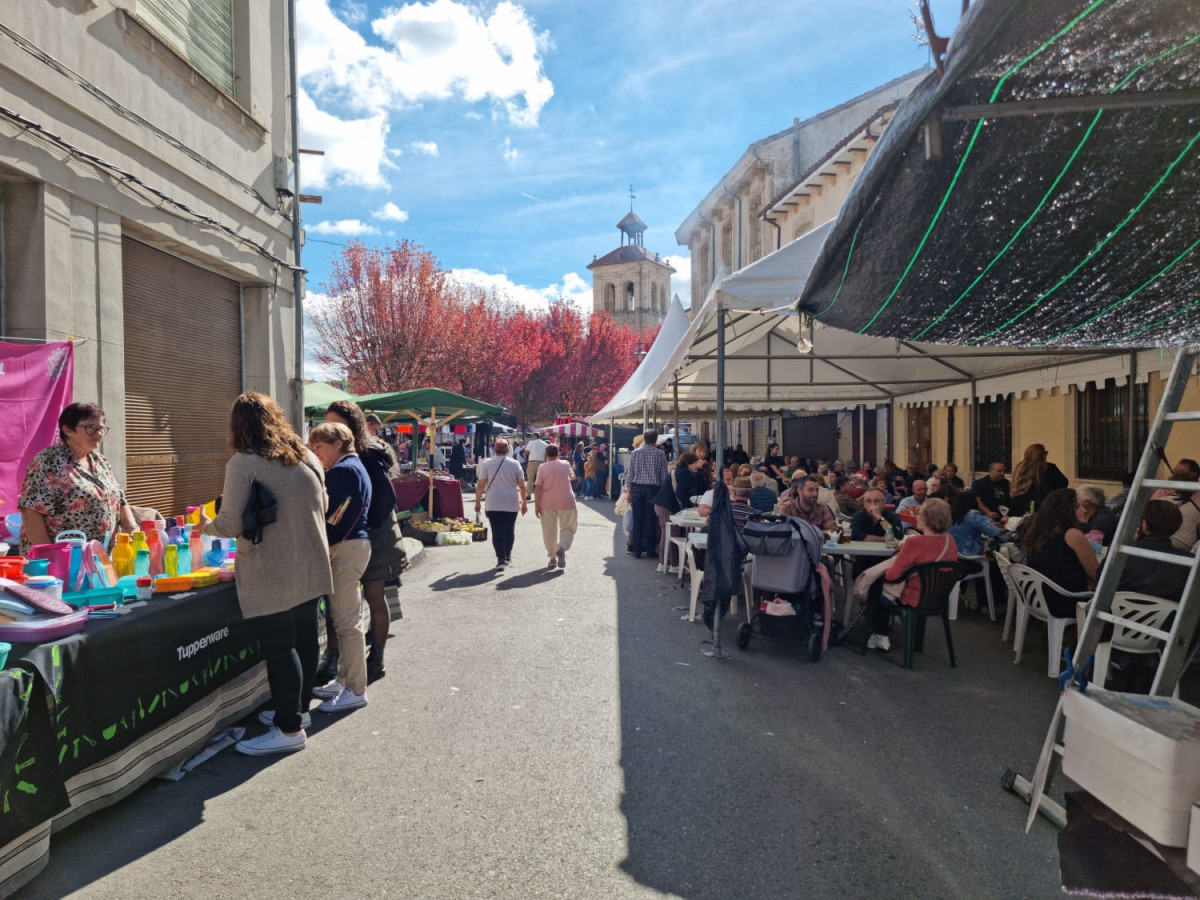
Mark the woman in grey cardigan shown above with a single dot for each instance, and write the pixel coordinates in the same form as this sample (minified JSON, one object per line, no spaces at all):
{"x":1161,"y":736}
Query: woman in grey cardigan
{"x":279,"y":581}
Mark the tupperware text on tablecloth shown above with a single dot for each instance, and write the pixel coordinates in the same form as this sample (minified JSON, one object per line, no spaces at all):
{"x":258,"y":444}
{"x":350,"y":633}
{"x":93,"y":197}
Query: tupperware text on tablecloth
{"x":196,"y":646}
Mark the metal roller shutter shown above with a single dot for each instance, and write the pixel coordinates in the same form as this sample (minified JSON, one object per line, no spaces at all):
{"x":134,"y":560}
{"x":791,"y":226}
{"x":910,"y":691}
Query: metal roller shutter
{"x":201,"y":31}
{"x":183,"y":347}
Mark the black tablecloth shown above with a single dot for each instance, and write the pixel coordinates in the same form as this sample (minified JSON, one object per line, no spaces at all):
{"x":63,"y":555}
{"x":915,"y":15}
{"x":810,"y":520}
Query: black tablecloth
{"x":31,"y":786}
{"x":117,"y":681}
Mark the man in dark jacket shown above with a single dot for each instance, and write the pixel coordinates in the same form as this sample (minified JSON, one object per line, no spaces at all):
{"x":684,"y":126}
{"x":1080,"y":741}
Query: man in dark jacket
{"x":1160,"y":520}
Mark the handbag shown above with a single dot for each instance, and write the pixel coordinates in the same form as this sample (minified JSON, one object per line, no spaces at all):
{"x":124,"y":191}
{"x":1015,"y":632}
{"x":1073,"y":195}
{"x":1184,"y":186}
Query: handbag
{"x":261,"y":510}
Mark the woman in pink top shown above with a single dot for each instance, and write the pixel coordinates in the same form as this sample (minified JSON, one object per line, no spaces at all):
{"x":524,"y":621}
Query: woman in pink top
{"x":554,"y":504}
{"x":933,"y":544}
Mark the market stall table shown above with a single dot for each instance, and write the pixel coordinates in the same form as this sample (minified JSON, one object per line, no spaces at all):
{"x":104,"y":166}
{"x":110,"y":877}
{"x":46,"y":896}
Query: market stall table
{"x":130,"y":698}
{"x":447,"y":496}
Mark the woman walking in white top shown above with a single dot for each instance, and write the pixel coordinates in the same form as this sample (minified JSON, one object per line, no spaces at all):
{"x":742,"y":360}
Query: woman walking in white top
{"x":502,"y":482}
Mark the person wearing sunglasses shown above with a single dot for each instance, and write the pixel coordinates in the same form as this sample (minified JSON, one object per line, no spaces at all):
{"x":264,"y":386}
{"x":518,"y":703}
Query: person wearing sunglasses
{"x":70,"y":486}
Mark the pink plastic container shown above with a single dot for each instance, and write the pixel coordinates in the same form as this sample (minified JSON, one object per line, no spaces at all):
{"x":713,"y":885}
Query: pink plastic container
{"x":59,"y":556}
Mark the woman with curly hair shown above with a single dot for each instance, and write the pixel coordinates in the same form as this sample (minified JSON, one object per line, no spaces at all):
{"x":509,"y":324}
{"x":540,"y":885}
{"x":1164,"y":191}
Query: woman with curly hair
{"x":281,"y":579}
{"x":1054,"y":544}
{"x":1033,"y":480}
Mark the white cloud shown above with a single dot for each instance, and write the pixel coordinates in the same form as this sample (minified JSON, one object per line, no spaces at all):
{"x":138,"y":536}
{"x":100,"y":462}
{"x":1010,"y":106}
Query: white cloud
{"x":355,"y":149}
{"x":681,"y":280}
{"x":344,"y":227}
{"x":511,"y":154}
{"x":440,"y":50}
{"x":429,"y":148}
{"x":573,"y":289}
{"x":391,"y":212}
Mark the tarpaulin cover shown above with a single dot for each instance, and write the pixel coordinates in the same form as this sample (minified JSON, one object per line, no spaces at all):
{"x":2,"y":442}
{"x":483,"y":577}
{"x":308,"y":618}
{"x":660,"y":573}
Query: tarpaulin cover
{"x":35,"y":386}
{"x":318,"y":395}
{"x":1067,"y":228}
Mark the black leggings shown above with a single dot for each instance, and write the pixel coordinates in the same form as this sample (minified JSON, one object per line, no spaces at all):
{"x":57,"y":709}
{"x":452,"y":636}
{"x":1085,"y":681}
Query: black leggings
{"x":290,"y":648}
{"x":504,"y":526}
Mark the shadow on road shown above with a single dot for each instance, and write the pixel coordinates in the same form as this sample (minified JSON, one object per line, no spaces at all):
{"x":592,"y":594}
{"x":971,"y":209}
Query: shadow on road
{"x":769,"y":776}
{"x":528,"y":579}
{"x":472,"y":579}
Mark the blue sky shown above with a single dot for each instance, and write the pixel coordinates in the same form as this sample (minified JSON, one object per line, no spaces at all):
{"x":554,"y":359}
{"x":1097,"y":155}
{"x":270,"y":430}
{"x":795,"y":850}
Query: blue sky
{"x":504,"y":136}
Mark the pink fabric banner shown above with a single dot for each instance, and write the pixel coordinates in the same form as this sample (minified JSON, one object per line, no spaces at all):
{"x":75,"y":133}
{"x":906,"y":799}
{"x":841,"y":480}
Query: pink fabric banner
{"x":36,"y":383}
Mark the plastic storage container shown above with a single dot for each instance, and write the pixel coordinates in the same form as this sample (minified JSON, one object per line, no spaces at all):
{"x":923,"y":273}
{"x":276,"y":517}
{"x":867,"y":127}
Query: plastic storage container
{"x":1138,"y":755}
{"x":51,"y":586}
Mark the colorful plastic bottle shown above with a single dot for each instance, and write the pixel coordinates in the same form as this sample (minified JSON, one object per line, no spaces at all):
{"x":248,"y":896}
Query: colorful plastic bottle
{"x":141,"y":563}
{"x":154,"y":541}
{"x":137,"y":541}
{"x":122,"y":556}
{"x":216,"y":555}
{"x":184,"y":560}
{"x":231,"y":552}
{"x":196,"y":546}
{"x":171,"y":560}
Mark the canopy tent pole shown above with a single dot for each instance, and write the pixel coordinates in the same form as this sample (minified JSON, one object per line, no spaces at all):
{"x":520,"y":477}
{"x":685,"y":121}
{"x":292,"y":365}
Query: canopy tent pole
{"x":675,"y":398}
{"x":612,"y":455}
{"x":432,"y":445}
{"x":1130,"y":412}
{"x":972,"y":425}
{"x":720,"y":394}
{"x":862,"y":435}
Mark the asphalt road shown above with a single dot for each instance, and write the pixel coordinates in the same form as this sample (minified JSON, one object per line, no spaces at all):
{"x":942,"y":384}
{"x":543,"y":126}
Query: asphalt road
{"x":561,"y":734}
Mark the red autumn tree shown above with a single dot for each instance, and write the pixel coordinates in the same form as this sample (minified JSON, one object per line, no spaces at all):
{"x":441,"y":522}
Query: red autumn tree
{"x":395,"y":320}
{"x":391,"y":318}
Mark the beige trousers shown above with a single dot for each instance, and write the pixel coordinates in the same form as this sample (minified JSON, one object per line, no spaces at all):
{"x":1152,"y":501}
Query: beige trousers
{"x":531,"y":468}
{"x":349,"y":560}
{"x":558,"y":528}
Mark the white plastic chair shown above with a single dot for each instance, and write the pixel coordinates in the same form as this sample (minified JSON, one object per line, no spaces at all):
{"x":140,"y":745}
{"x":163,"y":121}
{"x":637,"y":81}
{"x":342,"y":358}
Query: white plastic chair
{"x":1138,"y":627}
{"x":1031,"y":601}
{"x":1003,"y":563}
{"x":983,"y":573}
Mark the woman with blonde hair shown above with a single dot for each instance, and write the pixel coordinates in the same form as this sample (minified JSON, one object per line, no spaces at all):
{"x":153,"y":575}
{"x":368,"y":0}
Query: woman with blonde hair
{"x":349,"y":488}
{"x":1033,"y":480}
{"x":281,"y":579}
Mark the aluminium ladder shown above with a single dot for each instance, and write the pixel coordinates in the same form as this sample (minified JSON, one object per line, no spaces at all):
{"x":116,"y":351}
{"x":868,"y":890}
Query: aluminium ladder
{"x":1175,"y":654}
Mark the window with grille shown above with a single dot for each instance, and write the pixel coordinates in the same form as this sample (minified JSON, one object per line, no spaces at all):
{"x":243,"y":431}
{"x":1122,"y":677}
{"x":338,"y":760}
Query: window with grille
{"x":1102,"y":420}
{"x":993,"y":439}
{"x":201,"y":31}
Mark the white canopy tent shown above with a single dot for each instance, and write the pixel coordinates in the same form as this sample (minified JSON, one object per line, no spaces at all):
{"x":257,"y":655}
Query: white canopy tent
{"x":742,"y":353}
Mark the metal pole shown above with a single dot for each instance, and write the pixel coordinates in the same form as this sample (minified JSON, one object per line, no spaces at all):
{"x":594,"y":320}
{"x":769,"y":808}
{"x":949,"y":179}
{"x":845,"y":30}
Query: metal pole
{"x":675,"y":398}
{"x":1130,"y":412}
{"x":971,"y":432}
{"x":862,"y":435}
{"x":297,"y":273}
{"x":720,"y":393}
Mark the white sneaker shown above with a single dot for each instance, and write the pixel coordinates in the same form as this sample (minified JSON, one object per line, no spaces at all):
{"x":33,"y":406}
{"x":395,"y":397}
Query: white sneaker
{"x":562,"y":558}
{"x":660,"y":568}
{"x":552,"y":563}
{"x":267,"y":717}
{"x":274,"y":741}
{"x":328,"y":691}
{"x":345,"y":701}
{"x":879,"y":642}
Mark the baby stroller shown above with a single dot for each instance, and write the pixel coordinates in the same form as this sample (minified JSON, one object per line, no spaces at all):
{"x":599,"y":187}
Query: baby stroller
{"x":787,"y":551}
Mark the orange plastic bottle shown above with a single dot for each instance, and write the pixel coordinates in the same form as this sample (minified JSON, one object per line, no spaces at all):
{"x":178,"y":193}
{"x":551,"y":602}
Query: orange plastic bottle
{"x":156,"y":551}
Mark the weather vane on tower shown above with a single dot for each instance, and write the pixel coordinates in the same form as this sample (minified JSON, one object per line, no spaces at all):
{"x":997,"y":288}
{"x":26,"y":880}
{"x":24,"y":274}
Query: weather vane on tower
{"x":632,"y":197}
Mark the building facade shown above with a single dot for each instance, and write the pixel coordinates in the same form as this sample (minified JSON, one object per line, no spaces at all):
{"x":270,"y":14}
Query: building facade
{"x":632,"y":284}
{"x":147,"y":213}
{"x":728,"y":229}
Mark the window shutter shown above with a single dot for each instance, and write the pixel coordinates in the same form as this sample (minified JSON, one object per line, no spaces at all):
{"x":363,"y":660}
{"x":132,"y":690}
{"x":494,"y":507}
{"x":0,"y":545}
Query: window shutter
{"x":201,"y":31}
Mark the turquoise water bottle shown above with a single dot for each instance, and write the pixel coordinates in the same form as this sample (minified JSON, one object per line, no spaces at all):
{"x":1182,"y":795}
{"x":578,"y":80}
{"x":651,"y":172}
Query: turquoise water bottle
{"x":141,"y":563}
{"x":184,"y":559}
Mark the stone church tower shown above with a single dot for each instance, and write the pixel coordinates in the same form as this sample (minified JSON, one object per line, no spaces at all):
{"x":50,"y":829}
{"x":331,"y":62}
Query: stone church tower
{"x":632,"y":284}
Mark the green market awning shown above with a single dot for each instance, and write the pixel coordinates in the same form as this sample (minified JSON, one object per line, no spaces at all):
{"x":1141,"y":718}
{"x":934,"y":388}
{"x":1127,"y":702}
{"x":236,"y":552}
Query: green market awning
{"x":421,"y":404}
{"x":1042,"y":192}
{"x":318,"y":395}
